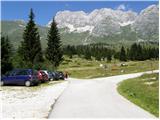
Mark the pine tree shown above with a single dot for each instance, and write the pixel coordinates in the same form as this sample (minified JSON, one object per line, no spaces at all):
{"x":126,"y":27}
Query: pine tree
{"x":6,"y":48}
{"x":139,"y":53}
{"x":30,"y":49}
{"x":87,"y":53}
{"x":133,"y":52}
{"x":157,"y":53}
{"x":123,"y":54}
{"x":109,"y":56}
{"x":53,"y":51}
{"x":68,"y":51}
{"x":127,"y":53}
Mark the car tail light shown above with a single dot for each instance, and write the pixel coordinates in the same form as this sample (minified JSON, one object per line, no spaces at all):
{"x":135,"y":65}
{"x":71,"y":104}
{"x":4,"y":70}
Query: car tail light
{"x":30,"y":77}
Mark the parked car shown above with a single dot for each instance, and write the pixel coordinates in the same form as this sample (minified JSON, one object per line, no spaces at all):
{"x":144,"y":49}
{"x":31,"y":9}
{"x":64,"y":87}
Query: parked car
{"x":42,"y":76}
{"x":46,"y":72}
{"x":25,"y":77}
{"x":60,"y":75}
{"x":51,"y":77}
{"x":55,"y":76}
{"x":49,"y":74}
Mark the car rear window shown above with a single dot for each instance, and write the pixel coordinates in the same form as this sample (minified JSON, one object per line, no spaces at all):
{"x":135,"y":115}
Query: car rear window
{"x":43,"y":73}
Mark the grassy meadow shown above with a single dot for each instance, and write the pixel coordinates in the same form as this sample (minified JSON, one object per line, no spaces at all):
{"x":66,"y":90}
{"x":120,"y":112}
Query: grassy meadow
{"x":82,"y":68}
{"x":143,"y":91}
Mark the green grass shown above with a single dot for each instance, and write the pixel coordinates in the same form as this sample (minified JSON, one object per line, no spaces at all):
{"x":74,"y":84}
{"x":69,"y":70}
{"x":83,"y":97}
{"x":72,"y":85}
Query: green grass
{"x":143,"y":91}
{"x":81,"y":68}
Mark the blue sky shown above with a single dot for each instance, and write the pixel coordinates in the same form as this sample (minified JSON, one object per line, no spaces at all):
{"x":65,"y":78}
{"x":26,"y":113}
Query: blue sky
{"x":45,"y":10}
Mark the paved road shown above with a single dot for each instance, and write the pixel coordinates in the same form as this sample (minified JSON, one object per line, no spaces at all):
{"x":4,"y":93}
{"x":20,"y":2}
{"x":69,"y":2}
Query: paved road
{"x":97,"y":98}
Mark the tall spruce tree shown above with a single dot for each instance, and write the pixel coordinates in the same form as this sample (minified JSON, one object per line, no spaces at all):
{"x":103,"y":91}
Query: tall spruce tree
{"x":87,"y":54}
{"x":109,"y":56}
{"x":30,"y":49}
{"x":133,"y":52}
{"x":139,"y":52}
{"x":54,"y":51}
{"x":123,"y":54}
{"x":6,"y":63}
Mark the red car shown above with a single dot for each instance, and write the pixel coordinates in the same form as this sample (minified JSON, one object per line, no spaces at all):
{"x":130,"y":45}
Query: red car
{"x":42,"y":76}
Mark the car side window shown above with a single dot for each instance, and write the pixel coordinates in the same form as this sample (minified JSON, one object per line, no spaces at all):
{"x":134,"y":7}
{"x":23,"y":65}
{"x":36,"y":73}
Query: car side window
{"x":11,"y":73}
{"x":8,"y":73}
{"x":23,"y":72}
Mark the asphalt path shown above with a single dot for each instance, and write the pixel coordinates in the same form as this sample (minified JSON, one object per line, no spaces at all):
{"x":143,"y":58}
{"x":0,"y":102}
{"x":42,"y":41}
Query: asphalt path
{"x":97,"y":98}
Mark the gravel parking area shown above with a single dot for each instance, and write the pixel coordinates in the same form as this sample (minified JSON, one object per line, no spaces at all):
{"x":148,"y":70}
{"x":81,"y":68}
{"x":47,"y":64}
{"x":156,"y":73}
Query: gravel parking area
{"x":30,"y":102}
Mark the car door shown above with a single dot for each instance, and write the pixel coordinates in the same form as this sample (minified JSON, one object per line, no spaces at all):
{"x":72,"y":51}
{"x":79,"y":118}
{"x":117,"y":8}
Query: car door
{"x":10,"y":78}
{"x":21,"y":76}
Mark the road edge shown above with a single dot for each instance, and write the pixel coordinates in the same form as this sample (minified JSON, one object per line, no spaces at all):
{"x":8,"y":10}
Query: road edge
{"x":117,"y":85}
{"x":55,"y":100}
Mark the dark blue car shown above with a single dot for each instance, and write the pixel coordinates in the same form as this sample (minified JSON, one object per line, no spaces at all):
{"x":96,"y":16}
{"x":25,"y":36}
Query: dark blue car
{"x":58,"y":75}
{"x":25,"y":77}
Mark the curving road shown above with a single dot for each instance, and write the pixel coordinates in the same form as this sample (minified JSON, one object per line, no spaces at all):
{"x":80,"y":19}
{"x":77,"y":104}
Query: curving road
{"x":96,"y":98}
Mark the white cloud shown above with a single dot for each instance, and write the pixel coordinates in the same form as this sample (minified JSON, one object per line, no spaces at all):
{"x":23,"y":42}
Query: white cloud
{"x":121,"y":7}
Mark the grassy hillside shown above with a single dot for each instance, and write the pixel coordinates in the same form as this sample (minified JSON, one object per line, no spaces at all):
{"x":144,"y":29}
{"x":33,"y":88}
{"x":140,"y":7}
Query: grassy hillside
{"x":14,"y":30}
{"x":143,"y":91}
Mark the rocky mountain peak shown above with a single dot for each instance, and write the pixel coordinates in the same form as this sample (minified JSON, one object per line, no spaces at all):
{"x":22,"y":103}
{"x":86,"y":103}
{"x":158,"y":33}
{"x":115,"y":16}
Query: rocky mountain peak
{"x":106,"y":21}
{"x":147,"y":23}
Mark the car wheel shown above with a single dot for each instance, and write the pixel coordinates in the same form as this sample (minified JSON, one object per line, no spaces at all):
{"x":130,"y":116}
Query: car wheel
{"x":28,"y":83}
{"x":1,"y":83}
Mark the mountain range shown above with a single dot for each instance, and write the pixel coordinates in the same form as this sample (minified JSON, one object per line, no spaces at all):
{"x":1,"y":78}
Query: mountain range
{"x":101,"y":25}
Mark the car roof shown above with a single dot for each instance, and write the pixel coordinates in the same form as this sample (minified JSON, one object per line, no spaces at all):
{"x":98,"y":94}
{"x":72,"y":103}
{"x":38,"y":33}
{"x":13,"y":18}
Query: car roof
{"x":22,"y":69}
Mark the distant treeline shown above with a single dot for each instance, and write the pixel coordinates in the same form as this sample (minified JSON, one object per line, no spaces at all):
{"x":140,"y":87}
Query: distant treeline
{"x":103,"y":52}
